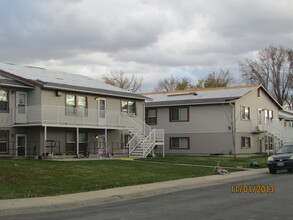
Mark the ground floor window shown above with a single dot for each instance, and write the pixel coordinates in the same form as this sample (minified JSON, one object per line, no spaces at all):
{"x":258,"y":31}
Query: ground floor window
{"x":3,"y":141}
{"x":269,"y":143}
{"x":70,"y":142}
{"x":125,"y":139}
{"x":179,"y":143}
{"x":245,"y":142}
{"x":82,"y":142}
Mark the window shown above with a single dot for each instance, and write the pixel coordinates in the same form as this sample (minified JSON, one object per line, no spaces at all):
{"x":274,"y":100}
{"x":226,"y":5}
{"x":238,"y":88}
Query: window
{"x":76,"y":105}
{"x":70,"y":142}
{"x":151,"y":116}
{"x":3,"y":141}
{"x":128,"y":107}
{"x":126,"y":139}
{"x":82,"y":139}
{"x":268,"y":115}
{"x":179,"y":143}
{"x":245,"y":142}
{"x":179,"y":114}
{"x":245,"y":113}
{"x":3,"y":100}
{"x":269,"y":142}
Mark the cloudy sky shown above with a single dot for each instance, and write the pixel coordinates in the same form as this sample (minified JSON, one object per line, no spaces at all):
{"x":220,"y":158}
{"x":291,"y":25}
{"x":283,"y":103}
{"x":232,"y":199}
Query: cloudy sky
{"x":152,"y":39}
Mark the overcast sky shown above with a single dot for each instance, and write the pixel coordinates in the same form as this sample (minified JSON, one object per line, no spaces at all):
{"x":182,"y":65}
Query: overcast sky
{"x":153,"y":39}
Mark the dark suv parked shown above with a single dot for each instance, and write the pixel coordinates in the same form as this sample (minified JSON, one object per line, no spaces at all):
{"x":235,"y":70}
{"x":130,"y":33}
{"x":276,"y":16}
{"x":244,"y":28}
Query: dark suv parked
{"x":281,"y":160}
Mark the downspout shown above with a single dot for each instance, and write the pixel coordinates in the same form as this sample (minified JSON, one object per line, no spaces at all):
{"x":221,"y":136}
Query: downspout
{"x":233,"y":128}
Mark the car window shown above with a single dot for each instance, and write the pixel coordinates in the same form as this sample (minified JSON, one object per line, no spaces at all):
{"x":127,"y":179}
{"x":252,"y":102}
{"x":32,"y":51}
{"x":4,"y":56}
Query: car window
{"x":285,"y":149}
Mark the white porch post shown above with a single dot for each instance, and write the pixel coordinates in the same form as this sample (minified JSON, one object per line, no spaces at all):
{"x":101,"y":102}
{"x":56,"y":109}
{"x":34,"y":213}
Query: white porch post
{"x":77,"y":141}
{"x":106,"y":137}
{"x":164,"y":150}
{"x":45,"y":139}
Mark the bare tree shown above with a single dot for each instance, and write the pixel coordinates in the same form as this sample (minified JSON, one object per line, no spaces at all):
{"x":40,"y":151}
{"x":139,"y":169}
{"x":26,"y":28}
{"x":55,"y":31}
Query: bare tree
{"x":122,"y":80}
{"x":273,"y":68}
{"x":172,"y":83}
{"x":221,"y":78}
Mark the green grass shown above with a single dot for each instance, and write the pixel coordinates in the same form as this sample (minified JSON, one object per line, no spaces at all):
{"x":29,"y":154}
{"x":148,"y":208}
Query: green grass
{"x":211,"y":160}
{"x":32,"y":178}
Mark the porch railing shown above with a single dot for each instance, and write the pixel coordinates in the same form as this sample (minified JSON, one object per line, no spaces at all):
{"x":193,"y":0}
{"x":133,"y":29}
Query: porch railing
{"x":50,"y":114}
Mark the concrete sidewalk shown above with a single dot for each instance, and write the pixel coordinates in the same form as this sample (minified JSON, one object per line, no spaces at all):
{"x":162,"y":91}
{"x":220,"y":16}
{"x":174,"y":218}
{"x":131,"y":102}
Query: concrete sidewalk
{"x":116,"y":194}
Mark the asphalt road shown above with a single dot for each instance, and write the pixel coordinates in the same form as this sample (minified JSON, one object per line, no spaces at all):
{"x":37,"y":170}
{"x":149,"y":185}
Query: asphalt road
{"x":214,"y":202}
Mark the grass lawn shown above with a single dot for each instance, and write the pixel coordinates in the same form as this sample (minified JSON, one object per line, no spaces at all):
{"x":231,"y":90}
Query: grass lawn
{"x":31,"y":178}
{"x":211,"y":160}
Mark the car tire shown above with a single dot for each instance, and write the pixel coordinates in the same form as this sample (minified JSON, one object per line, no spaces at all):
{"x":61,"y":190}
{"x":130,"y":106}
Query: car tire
{"x":272,"y":171}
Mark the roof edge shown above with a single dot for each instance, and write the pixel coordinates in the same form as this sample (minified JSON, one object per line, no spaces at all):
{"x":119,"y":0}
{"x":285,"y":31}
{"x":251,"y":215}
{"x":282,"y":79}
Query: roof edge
{"x":203,"y":89}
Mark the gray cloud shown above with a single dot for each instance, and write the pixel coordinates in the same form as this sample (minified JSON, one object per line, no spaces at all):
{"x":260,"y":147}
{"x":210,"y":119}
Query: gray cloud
{"x":145,"y":37}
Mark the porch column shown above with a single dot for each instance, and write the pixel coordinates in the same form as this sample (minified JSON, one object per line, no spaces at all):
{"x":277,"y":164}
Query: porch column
{"x":163,"y":149}
{"x":45,"y":139}
{"x":106,"y":137}
{"x":77,"y":141}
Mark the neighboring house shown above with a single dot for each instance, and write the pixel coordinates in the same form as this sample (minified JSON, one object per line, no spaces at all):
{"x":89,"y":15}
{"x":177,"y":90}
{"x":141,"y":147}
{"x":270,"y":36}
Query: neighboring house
{"x":243,"y":119}
{"x":44,"y":112}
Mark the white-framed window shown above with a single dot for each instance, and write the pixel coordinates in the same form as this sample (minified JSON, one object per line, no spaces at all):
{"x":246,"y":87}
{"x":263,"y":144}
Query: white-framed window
{"x":245,"y":113}
{"x":70,"y":142}
{"x":179,"y":143}
{"x":76,"y":105}
{"x":245,"y":142}
{"x":128,"y":107}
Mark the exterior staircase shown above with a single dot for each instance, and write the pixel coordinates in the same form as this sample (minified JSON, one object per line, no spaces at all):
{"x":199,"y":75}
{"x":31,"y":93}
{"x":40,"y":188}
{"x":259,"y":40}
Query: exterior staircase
{"x":274,"y":128}
{"x":144,"y":139}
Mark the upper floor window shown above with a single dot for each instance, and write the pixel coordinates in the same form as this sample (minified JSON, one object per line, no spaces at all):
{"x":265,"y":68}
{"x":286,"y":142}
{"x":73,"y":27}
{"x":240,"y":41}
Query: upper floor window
{"x":128,"y":107}
{"x":151,"y":116}
{"x":268,"y":115}
{"x":245,"y":142}
{"x":179,"y":114}
{"x":245,"y":113}
{"x":3,"y":141}
{"x":76,"y":105}
{"x":3,"y":100}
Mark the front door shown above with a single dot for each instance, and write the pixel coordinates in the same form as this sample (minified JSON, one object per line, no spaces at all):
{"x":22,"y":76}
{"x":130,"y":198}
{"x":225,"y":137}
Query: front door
{"x":21,"y":145}
{"x":21,"y":107}
{"x":102,"y":111}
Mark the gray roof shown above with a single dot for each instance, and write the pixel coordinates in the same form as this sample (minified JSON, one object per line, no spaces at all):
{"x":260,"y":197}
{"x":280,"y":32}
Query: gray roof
{"x":69,"y":81}
{"x":198,"y":97}
{"x":286,"y":114}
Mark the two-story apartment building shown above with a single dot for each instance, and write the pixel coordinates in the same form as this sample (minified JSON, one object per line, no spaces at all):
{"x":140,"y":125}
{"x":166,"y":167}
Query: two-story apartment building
{"x":243,"y":119}
{"x":44,"y":112}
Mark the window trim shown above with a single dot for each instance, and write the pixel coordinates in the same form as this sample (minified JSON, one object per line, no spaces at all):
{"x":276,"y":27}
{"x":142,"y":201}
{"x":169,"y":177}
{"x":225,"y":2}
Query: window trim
{"x":7,"y":142}
{"x":147,"y":116}
{"x":172,"y":148}
{"x":8,"y":101}
{"x":170,"y":114}
{"x":76,"y":105}
{"x":249,"y":112}
{"x":121,"y":109}
{"x":123,"y":144}
{"x":244,"y":147}
{"x":66,"y":146}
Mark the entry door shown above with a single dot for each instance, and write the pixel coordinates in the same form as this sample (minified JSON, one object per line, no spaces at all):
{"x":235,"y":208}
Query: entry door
{"x":21,"y":107}
{"x":21,"y":145}
{"x":102,"y":111}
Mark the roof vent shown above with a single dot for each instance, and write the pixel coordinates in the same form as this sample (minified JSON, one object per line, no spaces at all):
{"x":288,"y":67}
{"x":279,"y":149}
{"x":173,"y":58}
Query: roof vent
{"x":181,"y":94}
